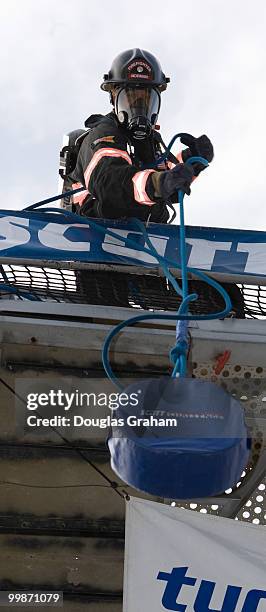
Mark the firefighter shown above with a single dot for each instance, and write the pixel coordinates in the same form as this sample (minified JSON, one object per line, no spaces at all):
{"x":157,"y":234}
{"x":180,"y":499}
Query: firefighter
{"x":117,"y":152}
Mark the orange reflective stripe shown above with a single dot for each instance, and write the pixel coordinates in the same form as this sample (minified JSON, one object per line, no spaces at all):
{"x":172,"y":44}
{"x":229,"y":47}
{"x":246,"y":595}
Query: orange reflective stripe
{"x":139,"y":183}
{"x":78,"y":198}
{"x":105,"y":152}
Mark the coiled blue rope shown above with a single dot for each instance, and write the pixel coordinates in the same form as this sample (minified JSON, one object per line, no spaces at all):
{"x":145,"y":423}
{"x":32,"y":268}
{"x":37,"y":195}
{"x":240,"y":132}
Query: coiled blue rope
{"x":179,"y":351}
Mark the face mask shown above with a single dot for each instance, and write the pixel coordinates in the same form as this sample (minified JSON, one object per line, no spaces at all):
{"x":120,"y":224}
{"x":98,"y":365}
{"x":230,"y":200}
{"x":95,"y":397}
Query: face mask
{"x":137,"y":109}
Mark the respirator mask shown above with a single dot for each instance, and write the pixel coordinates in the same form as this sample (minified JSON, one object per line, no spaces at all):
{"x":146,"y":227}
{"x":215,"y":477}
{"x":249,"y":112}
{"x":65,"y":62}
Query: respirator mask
{"x":137,"y":109}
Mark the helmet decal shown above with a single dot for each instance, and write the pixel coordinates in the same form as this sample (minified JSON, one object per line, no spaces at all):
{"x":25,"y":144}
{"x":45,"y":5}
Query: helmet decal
{"x":139,"y":70}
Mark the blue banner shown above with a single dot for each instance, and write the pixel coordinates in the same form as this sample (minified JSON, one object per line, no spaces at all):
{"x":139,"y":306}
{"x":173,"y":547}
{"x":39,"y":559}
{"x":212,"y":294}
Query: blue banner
{"x":59,"y":237}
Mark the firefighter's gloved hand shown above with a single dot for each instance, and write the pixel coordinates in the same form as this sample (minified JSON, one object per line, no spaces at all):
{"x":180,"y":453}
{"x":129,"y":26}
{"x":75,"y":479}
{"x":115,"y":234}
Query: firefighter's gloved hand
{"x":198,"y":147}
{"x":201,"y":146}
{"x":166,"y":183}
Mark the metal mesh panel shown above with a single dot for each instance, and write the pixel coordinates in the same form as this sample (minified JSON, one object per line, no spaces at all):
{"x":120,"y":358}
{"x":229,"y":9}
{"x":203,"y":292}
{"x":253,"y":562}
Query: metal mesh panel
{"x":255,"y":300}
{"x":246,"y":384}
{"x":110,"y":288}
{"x":253,"y":511}
{"x":255,"y":508}
{"x":43,"y":283}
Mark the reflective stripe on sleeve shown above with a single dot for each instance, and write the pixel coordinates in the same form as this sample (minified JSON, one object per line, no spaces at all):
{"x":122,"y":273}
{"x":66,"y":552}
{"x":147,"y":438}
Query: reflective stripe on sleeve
{"x":105,"y":152}
{"x":139,"y":183}
{"x":78,"y":198}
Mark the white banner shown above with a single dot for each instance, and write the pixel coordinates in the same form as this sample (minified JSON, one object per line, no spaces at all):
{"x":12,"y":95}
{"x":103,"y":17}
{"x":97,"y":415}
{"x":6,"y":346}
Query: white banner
{"x":183,"y":560}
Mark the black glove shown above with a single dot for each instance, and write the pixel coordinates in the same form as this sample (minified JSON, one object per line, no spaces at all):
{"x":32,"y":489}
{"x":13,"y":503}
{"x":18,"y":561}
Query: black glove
{"x":166,"y":183}
{"x":201,"y":147}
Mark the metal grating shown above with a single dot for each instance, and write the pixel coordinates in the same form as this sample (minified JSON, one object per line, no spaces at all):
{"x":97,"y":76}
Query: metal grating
{"x":254,"y":297}
{"x":43,"y":283}
{"x":254,"y":510}
{"x":110,"y":288}
{"x":248,"y":385}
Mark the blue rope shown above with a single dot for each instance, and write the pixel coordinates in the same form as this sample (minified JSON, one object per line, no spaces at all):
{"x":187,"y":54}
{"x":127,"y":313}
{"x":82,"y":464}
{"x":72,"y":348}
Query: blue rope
{"x":178,"y":353}
{"x":54,"y":198}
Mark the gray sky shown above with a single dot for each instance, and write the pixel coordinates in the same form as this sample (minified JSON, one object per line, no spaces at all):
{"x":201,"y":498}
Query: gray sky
{"x":52,"y":59}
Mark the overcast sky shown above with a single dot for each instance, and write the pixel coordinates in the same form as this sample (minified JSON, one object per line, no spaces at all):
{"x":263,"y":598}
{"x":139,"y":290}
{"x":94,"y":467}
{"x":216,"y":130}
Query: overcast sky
{"x":53,"y":57}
